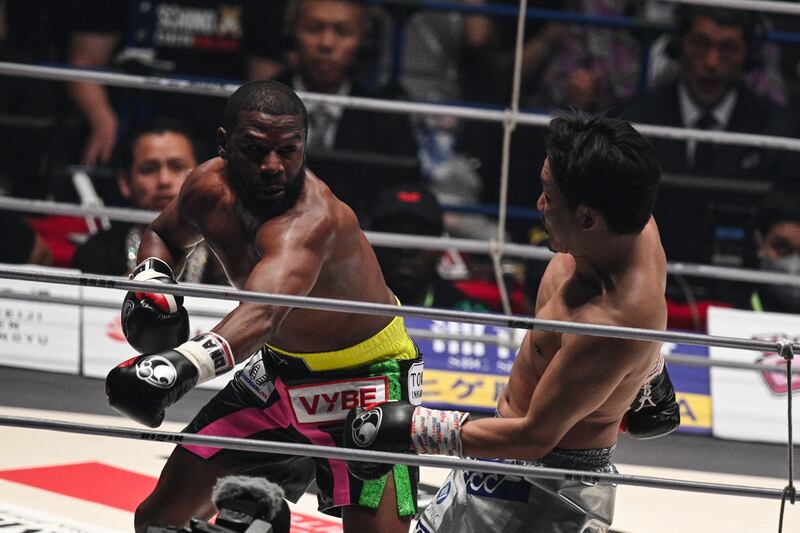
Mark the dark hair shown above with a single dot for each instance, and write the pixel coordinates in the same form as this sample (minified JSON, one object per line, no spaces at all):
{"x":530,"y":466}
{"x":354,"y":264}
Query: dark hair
{"x":604,"y":163}
{"x":751,"y":24}
{"x":265,"y":96}
{"x":123,"y":158}
{"x":780,"y":204}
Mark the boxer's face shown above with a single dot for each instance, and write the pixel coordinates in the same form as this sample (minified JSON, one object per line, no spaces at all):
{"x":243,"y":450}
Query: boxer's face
{"x":327,"y":34}
{"x":558,"y":219}
{"x":161,"y":162}
{"x":713,"y":59}
{"x":265,"y":161}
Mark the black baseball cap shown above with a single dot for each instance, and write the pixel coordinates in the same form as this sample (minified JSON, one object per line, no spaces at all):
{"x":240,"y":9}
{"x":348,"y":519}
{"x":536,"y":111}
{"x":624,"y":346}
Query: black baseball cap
{"x":410,"y":201}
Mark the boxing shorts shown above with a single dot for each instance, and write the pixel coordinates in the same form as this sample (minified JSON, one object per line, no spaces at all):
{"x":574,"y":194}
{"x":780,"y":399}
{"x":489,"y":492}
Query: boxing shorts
{"x":471,"y":502}
{"x":304,"y":398}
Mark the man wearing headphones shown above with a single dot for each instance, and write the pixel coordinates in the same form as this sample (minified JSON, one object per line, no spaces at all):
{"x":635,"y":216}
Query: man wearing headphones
{"x":714,"y":48}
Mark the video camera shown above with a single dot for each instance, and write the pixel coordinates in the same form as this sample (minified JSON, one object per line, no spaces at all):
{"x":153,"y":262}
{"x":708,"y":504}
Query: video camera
{"x":246,"y":505}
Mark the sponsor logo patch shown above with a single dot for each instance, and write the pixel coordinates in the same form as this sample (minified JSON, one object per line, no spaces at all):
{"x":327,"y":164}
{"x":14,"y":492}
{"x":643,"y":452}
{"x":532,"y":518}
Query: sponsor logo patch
{"x":366,"y":427}
{"x":330,"y":401}
{"x":255,"y":377}
{"x":511,"y":488}
{"x":415,"y":384}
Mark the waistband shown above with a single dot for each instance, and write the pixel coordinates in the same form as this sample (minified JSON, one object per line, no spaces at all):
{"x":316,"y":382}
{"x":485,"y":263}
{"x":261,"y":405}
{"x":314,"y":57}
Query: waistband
{"x":392,"y":342}
{"x":596,"y":459}
{"x":589,"y":459}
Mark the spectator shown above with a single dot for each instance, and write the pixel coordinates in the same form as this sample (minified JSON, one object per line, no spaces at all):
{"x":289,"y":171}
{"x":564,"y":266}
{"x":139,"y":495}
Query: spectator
{"x":488,"y":58}
{"x":777,"y":240}
{"x":200,"y":38}
{"x":431,"y":70}
{"x":714,"y":46}
{"x":774,"y":247}
{"x":152,"y":165}
{"x":328,"y":36}
{"x":413,"y":274}
{"x":765,"y":73}
{"x":20,"y":243}
{"x":593,"y":68}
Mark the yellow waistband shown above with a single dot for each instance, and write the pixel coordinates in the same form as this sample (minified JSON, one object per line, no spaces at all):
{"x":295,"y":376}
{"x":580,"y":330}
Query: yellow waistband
{"x":392,"y":342}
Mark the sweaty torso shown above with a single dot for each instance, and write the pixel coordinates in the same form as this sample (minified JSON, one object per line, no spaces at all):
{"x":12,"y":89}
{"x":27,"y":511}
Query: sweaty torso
{"x":349,"y":269}
{"x":637,"y":300}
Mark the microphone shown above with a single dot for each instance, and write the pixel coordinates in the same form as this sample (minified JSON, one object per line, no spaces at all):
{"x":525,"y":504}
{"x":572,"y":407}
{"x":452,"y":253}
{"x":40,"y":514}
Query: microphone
{"x":244,"y":500}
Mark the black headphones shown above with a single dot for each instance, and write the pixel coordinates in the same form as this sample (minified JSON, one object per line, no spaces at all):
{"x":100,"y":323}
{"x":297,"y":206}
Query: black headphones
{"x":753,"y":26}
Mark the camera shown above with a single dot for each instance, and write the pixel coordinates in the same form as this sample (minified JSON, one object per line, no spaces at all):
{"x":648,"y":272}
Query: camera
{"x":246,"y":505}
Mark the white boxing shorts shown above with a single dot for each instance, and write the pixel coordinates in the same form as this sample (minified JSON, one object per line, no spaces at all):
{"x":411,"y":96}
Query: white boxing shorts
{"x":476,"y":502}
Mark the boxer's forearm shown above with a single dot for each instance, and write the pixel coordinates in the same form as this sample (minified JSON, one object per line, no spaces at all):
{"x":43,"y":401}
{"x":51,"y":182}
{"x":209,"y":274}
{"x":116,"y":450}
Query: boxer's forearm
{"x":248,"y":327}
{"x":504,"y":438}
{"x":153,"y":245}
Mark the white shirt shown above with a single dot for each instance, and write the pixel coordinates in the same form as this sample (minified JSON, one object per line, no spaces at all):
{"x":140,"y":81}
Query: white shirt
{"x":328,"y":124}
{"x":691,"y":113}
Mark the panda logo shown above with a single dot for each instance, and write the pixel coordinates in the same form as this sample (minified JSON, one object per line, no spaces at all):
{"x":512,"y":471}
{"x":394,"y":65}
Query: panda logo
{"x":156,"y":370}
{"x":366,"y":425}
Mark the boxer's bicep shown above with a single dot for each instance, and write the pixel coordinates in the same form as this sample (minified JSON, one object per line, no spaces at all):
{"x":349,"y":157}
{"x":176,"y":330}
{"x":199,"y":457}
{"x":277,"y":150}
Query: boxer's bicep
{"x":284,"y":268}
{"x":172,"y":235}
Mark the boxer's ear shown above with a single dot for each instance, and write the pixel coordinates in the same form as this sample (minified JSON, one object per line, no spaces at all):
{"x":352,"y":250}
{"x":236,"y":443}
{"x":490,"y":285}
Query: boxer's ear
{"x":587,"y":217}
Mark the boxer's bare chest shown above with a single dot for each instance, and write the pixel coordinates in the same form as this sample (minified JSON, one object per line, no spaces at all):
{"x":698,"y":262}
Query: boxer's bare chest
{"x":233,"y":243}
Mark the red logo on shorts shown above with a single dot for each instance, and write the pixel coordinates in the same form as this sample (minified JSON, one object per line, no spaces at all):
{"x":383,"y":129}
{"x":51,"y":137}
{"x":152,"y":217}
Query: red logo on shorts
{"x":330,"y":401}
{"x":776,"y":379}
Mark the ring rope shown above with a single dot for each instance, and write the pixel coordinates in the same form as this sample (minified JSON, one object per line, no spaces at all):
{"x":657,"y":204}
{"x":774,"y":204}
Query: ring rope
{"x":613,"y":21}
{"x":375,"y":104}
{"x":787,"y":352}
{"x":764,"y":6}
{"x":395,"y":240}
{"x":330,"y":304}
{"x":509,"y":124}
{"x":688,"y":360}
{"x":310,"y":450}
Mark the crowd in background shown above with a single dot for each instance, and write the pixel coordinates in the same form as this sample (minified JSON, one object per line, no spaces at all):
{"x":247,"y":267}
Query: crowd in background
{"x":648,"y":61}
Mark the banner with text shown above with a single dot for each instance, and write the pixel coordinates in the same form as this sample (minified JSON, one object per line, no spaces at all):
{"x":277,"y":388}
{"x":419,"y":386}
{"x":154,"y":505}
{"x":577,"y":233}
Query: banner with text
{"x":37,"y":335}
{"x":752,"y":405}
{"x":467,"y":374}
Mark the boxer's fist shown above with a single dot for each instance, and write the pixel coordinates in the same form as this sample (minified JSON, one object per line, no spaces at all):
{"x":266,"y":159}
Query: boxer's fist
{"x":654,"y":412}
{"x":385,"y":427}
{"x":151,"y":321}
{"x":143,"y":387}
{"x":400,"y":427}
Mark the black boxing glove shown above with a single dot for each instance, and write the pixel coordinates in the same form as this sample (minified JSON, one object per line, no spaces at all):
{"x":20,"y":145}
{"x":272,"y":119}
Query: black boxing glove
{"x":143,"y":387}
{"x":654,"y":412}
{"x":400,"y":427}
{"x":151,"y":321}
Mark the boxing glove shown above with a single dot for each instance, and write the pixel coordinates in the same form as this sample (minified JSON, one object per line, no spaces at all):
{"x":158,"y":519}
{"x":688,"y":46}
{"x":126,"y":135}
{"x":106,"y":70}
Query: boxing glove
{"x":151,"y":321}
{"x":143,"y":387}
{"x":400,"y":427}
{"x":654,"y":412}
